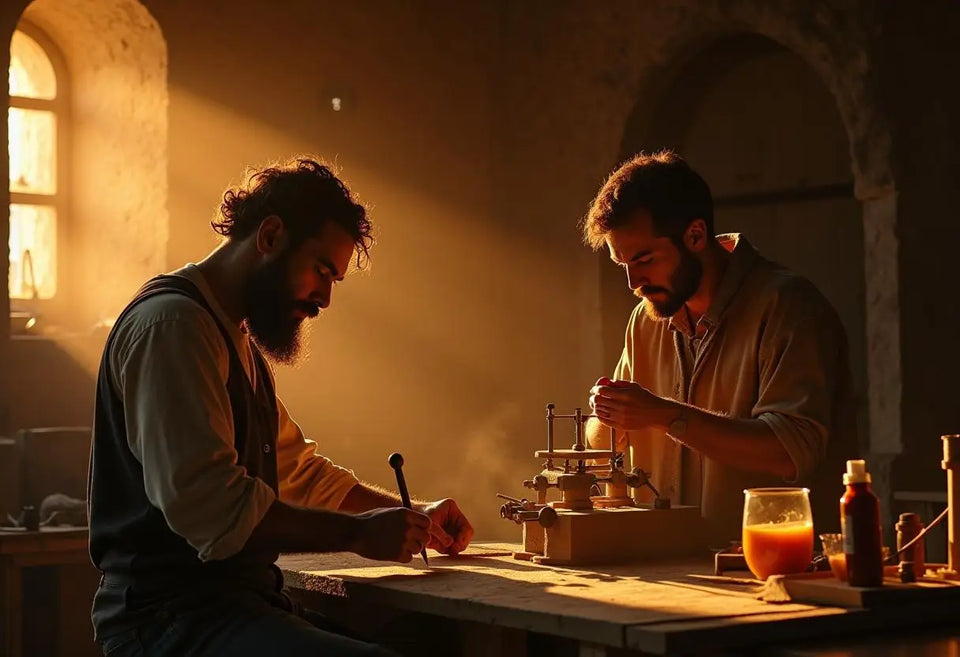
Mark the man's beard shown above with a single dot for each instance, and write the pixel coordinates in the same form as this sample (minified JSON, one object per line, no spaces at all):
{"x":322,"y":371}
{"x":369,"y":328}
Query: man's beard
{"x":683,"y":284}
{"x":269,"y":305}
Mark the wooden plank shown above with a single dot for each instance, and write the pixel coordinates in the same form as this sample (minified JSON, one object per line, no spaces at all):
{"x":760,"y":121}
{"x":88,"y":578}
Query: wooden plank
{"x":12,"y":606}
{"x":828,"y":590}
{"x":776,"y":629}
{"x":660,"y":608}
{"x":75,"y":556}
{"x":60,"y":539}
{"x":20,"y":548}
{"x":575,"y":602}
{"x":884,"y":644}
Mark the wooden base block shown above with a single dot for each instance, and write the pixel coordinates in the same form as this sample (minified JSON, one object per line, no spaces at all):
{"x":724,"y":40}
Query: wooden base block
{"x":825,"y":589}
{"x":616,"y":535}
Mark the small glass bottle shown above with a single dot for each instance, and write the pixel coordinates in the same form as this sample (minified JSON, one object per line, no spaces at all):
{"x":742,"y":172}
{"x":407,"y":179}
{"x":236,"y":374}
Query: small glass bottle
{"x":907,"y":529}
{"x":860,"y":525}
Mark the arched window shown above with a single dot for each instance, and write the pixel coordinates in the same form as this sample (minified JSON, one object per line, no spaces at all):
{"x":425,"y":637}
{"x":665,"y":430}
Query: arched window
{"x":35,"y":120}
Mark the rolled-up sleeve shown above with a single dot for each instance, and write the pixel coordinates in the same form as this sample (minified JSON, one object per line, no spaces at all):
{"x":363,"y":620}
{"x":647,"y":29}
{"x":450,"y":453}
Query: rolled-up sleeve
{"x":171,"y":373}
{"x":306,"y":477}
{"x":802,"y":350}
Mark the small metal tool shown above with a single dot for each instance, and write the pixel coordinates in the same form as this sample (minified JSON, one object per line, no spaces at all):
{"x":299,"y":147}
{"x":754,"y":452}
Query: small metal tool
{"x":396,"y":462}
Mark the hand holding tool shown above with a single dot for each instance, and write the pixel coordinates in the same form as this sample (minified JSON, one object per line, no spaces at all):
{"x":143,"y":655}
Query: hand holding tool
{"x":396,"y":462}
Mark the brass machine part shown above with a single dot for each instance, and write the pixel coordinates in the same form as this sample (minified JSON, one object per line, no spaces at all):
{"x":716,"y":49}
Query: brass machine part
{"x":574,"y":454}
{"x":576,"y":482}
{"x":574,"y":491}
{"x":617,"y":484}
{"x":576,"y":478}
{"x":951,"y":463}
{"x":581,"y":528}
{"x":579,"y":449}
{"x":617,"y":494}
{"x":521,"y":511}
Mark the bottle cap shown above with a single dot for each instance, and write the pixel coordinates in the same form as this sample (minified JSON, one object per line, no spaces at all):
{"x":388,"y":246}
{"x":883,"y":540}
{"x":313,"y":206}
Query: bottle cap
{"x":856,"y":472}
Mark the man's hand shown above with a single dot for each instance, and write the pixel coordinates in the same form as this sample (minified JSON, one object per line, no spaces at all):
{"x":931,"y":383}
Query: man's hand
{"x":450,"y":531}
{"x":625,"y":405}
{"x":394,"y":534}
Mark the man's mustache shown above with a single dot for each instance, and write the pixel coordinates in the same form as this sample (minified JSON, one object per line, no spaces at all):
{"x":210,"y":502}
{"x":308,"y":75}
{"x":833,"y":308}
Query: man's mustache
{"x":307,"y":307}
{"x":648,"y":290}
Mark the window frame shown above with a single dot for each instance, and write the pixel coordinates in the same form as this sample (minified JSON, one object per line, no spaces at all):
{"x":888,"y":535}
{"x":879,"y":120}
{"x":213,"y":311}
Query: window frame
{"x":59,"y":200}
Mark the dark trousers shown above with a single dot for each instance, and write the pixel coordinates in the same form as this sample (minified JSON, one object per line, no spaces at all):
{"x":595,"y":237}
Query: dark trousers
{"x":239,"y":624}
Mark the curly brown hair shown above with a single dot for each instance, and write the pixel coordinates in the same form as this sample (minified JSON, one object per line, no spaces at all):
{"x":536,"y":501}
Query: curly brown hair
{"x":663,"y":184}
{"x":305,"y":194}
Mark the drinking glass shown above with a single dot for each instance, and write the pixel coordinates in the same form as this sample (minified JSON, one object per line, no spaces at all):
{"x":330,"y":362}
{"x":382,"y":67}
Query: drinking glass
{"x":777,"y":530}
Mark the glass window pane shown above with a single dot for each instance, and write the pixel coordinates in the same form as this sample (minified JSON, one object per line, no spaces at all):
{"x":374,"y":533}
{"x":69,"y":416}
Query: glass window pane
{"x":31,"y":74}
{"x":33,"y":151}
{"x":33,"y":251}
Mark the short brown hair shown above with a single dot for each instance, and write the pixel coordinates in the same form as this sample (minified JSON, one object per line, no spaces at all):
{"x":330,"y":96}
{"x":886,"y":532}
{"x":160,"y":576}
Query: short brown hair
{"x":661,"y":183}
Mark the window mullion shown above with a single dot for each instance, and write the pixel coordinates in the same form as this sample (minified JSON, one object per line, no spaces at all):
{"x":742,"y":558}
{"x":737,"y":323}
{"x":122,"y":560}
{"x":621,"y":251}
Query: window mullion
{"x":22,"y":198}
{"x":34,"y":103}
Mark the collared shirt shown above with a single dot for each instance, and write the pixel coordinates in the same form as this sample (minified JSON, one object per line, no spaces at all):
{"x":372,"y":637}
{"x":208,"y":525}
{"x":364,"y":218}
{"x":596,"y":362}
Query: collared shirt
{"x":771,"y":348}
{"x":169,"y":364}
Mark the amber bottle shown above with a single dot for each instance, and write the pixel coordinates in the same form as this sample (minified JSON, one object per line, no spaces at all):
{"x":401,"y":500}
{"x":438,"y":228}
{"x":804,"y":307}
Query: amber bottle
{"x":860,"y":525}
{"x":908,"y":529}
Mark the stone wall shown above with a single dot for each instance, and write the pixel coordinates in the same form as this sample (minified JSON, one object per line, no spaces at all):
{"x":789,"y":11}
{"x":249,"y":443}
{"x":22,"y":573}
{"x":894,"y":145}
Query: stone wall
{"x":480,"y":134}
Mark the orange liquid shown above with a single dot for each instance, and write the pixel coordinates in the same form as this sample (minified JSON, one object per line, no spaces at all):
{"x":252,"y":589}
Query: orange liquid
{"x":838,"y":564}
{"x":778,"y":549}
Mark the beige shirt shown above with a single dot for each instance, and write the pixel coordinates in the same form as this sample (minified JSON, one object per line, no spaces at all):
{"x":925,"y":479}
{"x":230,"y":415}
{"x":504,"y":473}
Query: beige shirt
{"x":169,"y":365}
{"x":773,"y":349}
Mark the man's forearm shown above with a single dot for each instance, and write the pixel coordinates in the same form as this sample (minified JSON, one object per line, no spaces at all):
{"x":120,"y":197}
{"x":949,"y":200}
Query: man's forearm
{"x":364,"y":497}
{"x":749,"y":444}
{"x":288,"y":528}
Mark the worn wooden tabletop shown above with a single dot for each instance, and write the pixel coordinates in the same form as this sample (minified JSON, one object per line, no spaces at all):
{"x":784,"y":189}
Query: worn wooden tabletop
{"x":15,"y":540}
{"x":661,"y":608}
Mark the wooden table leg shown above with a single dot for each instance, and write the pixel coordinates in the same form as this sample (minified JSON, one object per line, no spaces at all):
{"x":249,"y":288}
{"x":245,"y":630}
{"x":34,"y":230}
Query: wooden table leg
{"x":482,"y":640}
{"x":11,"y":610}
{"x":587,"y":649}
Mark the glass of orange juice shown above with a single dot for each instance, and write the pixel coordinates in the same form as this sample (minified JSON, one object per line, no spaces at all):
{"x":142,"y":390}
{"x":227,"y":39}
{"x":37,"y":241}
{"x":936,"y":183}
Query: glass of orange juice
{"x":777,"y":530}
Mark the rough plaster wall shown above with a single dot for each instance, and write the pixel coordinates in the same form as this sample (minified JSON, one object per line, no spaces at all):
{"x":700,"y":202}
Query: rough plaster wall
{"x":116,"y":222}
{"x":420,"y":354}
{"x":118,"y":66}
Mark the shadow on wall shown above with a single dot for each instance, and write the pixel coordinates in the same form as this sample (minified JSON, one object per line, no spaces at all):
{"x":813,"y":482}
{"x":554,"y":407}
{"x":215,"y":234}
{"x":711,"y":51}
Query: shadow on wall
{"x":51,"y":381}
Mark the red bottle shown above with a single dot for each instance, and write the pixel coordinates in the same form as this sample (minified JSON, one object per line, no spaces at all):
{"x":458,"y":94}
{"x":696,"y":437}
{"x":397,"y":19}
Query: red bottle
{"x":860,"y":524}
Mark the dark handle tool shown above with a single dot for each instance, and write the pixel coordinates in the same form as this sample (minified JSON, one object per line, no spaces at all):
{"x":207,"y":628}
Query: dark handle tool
{"x":396,"y":462}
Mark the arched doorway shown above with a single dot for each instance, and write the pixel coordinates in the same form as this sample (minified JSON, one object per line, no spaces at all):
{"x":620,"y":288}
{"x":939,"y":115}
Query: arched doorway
{"x":756,"y":121}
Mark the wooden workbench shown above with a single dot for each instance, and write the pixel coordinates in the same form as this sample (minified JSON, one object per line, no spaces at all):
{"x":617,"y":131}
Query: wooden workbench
{"x":51,"y":546}
{"x":668,"y":608}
